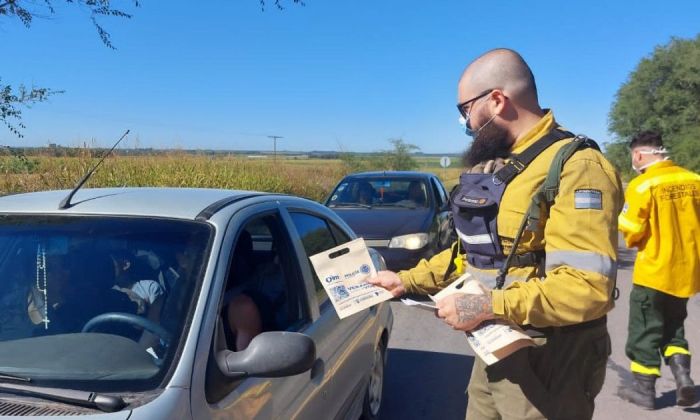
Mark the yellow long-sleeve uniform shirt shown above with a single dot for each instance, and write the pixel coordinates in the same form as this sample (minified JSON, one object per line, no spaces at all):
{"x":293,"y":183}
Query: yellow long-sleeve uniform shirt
{"x":579,"y":237}
{"x":661,"y":218}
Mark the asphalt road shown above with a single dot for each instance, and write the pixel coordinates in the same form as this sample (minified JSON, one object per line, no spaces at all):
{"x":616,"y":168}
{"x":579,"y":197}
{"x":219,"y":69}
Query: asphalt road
{"x":429,"y":364}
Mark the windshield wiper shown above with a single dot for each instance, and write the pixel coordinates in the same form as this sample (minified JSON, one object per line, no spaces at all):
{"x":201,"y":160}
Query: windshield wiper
{"x":10,"y":377}
{"x":366,"y":206}
{"x":404,"y":205}
{"x":107,"y":403}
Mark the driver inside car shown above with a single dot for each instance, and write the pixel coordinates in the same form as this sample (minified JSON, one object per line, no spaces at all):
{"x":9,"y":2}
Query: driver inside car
{"x":130,"y":279}
{"x":365,"y":193}
{"x":256,"y":301}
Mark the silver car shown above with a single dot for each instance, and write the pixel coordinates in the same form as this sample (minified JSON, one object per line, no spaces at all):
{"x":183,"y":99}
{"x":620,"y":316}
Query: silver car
{"x":156,"y":303}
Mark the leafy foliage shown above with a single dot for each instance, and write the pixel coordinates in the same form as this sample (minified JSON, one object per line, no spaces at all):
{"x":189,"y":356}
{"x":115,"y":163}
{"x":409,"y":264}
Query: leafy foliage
{"x":27,"y":10}
{"x":278,"y":3}
{"x":17,"y":163}
{"x":662,"y":93}
{"x":11,"y":99}
{"x":398,"y":159}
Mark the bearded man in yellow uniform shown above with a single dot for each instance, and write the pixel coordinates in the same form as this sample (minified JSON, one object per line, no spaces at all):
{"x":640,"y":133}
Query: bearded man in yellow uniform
{"x":661,"y":218}
{"x":560,"y":282}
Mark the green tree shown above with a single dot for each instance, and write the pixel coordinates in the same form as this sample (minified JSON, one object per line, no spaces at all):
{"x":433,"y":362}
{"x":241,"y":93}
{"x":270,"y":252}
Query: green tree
{"x":662,"y":93}
{"x":400,"y":159}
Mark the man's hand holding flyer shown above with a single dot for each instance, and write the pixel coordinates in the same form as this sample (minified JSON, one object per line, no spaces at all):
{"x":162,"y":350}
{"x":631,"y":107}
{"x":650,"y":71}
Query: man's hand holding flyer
{"x":493,"y":340}
{"x":343,"y":271}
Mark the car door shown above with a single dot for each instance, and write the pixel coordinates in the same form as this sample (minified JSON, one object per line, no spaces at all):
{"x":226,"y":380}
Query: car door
{"x":347,"y":345}
{"x":299,"y":396}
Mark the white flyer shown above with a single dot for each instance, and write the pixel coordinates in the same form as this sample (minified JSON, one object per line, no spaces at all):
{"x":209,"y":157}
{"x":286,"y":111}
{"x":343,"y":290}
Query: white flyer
{"x":495,"y":339}
{"x":343,"y":271}
{"x":428,"y":306}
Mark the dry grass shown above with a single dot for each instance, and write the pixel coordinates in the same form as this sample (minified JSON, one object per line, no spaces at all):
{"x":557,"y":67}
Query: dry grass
{"x":310,"y":178}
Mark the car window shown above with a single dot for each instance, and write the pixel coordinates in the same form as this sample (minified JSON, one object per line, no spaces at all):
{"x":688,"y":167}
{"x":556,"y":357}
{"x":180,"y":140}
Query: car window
{"x":263,"y":292}
{"x":317,"y":235}
{"x":64,"y":278}
{"x":380,"y":192}
{"x":440,"y":192}
{"x":260,"y":293}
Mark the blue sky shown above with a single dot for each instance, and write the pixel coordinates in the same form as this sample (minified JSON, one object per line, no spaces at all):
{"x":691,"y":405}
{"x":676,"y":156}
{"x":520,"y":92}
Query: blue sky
{"x":332,"y":75}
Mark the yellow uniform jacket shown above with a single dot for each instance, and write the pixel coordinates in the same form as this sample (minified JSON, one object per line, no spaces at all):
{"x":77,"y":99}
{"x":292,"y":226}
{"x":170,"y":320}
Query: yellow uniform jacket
{"x":661,"y":218}
{"x":579,"y":237}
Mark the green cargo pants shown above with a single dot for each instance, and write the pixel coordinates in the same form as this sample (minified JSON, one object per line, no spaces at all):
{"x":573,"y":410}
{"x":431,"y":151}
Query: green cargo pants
{"x":655,"y":323}
{"x":558,"y":379}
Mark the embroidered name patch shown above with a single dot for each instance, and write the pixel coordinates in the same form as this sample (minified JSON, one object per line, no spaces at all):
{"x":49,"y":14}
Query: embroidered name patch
{"x":473,"y":200}
{"x":588,"y":199}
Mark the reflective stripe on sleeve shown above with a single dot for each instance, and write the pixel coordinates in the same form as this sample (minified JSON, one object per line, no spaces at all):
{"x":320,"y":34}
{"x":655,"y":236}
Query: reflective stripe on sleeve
{"x":488,"y":278}
{"x":484,"y":238}
{"x":628,"y":225}
{"x":582,"y":260}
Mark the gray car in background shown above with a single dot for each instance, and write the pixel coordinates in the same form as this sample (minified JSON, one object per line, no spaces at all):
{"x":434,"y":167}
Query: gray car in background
{"x":122,"y":305}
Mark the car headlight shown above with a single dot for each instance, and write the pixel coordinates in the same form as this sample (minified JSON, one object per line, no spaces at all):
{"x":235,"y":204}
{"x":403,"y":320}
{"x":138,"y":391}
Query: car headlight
{"x":411,"y":241}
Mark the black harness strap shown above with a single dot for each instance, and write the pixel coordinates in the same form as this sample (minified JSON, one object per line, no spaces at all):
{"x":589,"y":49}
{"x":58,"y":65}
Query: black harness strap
{"x":519,"y":162}
{"x":543,"y":198}
{"x":510,"y":170}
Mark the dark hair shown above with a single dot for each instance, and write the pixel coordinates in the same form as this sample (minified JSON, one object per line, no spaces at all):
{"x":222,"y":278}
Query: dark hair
{"x":647,"y":138}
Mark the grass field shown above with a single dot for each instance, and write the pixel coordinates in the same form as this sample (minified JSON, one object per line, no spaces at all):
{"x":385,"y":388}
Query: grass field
{"x":310,"y":178}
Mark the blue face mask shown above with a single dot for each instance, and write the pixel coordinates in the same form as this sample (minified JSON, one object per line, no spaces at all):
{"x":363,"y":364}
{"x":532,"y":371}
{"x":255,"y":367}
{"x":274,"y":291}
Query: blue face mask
{"x":468,"y":130}
{"x":465,"y":120}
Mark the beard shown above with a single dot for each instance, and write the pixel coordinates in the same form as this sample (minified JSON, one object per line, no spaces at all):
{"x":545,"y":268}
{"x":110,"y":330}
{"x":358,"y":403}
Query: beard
{"x":489,"y":143}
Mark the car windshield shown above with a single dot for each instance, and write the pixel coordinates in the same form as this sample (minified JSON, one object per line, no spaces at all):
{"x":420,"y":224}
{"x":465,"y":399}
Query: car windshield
{"x":380,"y":192}
{"x":97,"y":303}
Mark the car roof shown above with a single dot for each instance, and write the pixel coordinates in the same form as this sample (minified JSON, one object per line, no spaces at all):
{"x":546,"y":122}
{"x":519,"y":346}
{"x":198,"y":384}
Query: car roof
{"x":181,"y":203}
{"x":392,"y":174}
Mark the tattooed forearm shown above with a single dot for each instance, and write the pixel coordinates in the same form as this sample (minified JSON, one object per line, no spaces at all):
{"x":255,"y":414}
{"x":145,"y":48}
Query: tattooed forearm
{"x":472,"y":307}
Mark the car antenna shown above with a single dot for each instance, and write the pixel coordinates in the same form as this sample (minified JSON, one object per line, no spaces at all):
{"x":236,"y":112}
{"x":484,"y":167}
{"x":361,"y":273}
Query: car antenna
{"x":65,"y":203}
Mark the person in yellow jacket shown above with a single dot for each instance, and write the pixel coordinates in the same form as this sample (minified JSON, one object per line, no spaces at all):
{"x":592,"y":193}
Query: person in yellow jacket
{"x":661,"y":218}
{"x":562,"y":298}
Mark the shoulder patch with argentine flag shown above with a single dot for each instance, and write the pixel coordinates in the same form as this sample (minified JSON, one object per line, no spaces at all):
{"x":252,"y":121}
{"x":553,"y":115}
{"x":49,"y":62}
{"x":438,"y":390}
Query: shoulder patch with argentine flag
{"x":588,"y":199}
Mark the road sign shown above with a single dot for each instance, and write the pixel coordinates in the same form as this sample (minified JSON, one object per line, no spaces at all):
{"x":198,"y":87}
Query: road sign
{"x":445,"y":161}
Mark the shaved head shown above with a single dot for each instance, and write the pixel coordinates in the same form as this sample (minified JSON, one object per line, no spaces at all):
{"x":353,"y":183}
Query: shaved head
{"x":497,"y":99}
{"x":500,"y":69}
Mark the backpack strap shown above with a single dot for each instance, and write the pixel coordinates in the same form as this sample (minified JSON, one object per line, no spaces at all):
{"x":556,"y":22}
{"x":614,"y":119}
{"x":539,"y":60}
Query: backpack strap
{"x":519,"y":162}
{"x":544,"y":197}
{"x":507,"y":173}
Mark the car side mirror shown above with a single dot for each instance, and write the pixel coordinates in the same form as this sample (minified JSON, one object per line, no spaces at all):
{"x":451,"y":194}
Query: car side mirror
{"x":377,"y":259}
{"x":271,"y":354}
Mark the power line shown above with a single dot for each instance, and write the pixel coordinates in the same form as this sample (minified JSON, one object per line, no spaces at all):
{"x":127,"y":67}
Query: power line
{"x":274,"y":146}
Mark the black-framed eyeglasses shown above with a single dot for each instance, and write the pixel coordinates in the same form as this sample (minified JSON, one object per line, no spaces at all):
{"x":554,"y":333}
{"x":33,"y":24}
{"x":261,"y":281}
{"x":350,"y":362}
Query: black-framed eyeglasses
{"x":462,"y":107}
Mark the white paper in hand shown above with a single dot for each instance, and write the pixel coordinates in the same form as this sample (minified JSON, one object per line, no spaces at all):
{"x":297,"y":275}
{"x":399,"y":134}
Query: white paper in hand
{"x":428,"y":306}
{"x":492,"y":340}
{"x":343,"y":271}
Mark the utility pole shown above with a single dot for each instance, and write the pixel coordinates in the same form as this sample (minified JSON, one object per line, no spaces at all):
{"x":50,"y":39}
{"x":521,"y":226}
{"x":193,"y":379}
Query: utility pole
{"x":274,"y":145}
